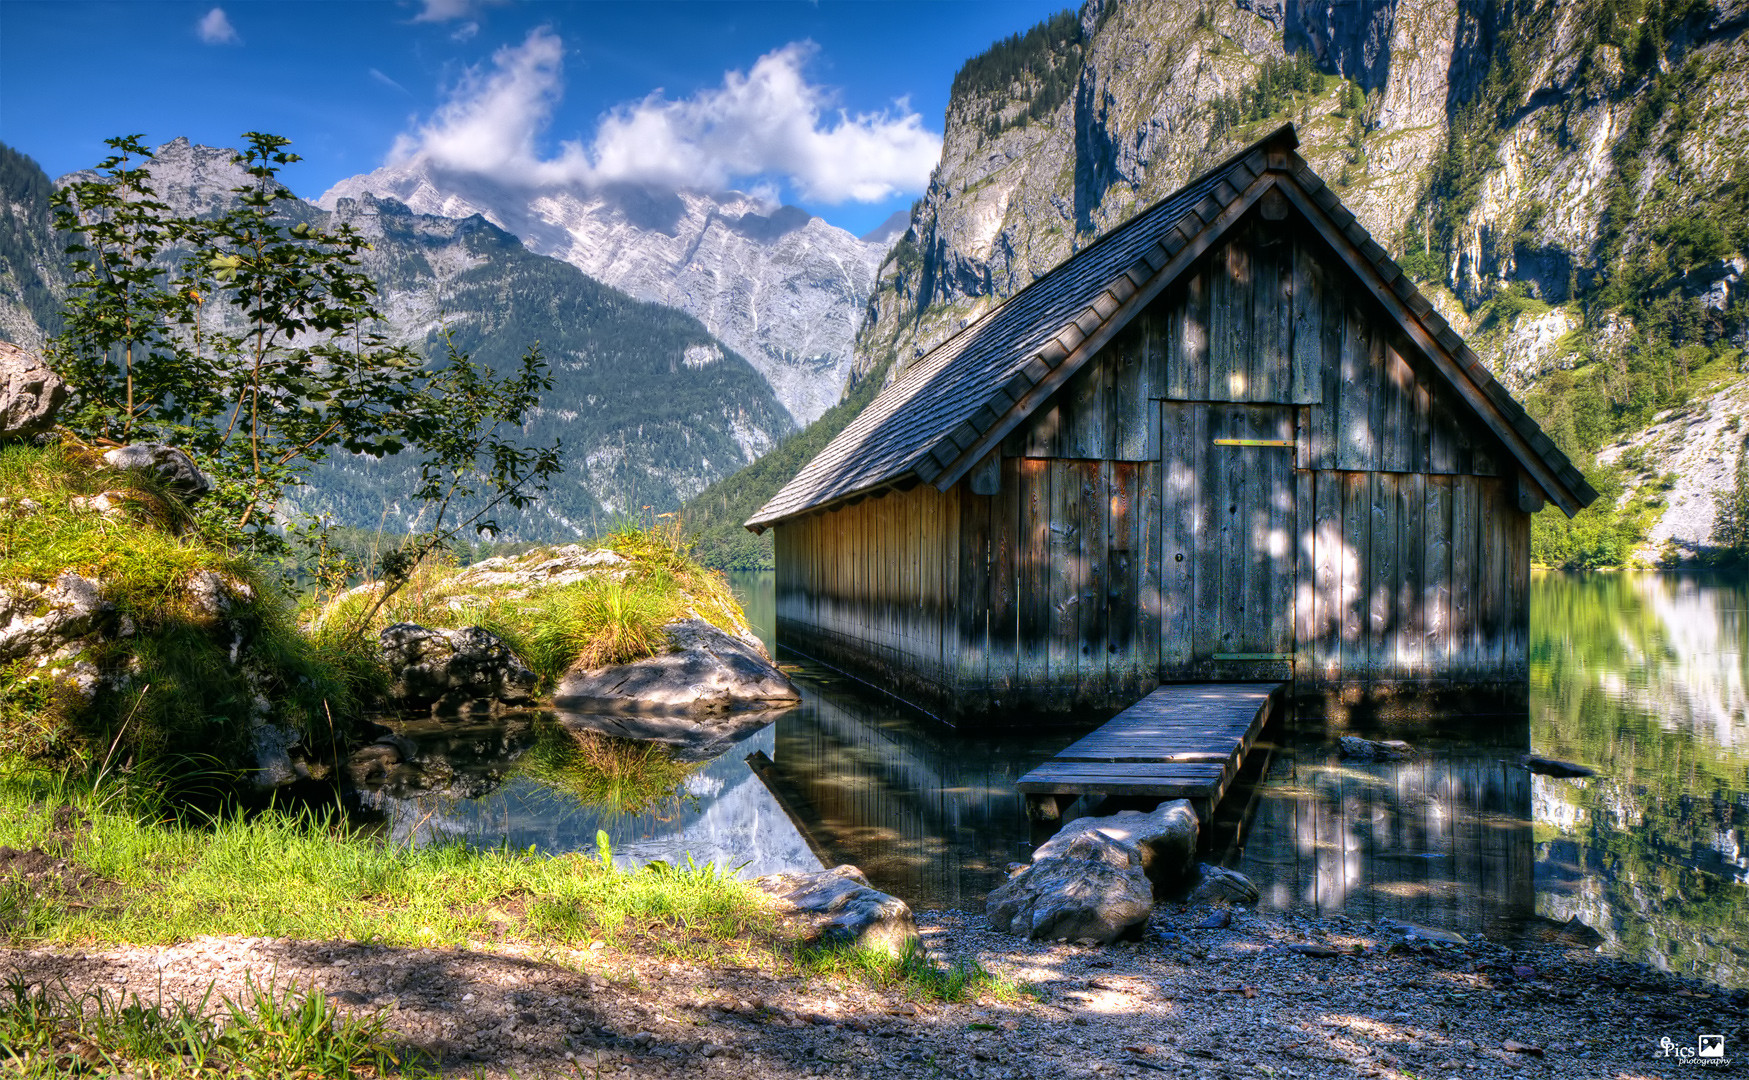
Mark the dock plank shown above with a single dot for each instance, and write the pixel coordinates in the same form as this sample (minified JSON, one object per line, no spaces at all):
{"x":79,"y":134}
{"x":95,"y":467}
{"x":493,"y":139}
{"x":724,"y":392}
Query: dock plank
{"x":1181,"y":741}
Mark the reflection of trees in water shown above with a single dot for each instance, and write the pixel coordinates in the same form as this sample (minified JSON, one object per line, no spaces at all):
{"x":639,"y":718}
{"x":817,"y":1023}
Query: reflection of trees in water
{"x":1646,"y":677}
{"x":1665,"y":651}
{"x":1443,"y":839}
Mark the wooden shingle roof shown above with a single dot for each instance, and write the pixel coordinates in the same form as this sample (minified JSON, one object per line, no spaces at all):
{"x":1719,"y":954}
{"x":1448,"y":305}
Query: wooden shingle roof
{"x":952,"y":406}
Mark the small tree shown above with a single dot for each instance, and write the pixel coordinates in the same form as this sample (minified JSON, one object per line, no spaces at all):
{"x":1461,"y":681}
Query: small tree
{"x":252,"y":339}
{"x":1731,"y":527}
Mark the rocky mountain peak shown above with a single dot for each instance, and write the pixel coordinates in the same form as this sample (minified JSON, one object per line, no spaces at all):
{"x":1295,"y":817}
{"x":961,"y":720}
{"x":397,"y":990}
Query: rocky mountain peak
{"x":781,"y":287}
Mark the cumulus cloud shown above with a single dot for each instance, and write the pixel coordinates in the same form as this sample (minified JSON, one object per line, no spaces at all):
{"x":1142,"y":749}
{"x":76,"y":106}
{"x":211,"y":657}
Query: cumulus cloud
{"x":215,"y":28}
{"x":766,"y":122}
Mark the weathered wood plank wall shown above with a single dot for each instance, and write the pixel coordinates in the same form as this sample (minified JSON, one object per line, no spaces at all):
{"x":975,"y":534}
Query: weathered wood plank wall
{"x":1257,"y":478}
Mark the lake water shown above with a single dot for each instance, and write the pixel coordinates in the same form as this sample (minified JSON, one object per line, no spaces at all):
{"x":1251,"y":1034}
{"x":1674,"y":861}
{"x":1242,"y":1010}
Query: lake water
{"x":1644,"y":677}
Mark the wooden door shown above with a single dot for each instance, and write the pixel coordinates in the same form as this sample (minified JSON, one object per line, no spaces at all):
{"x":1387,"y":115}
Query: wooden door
{"x":1227,"y":541}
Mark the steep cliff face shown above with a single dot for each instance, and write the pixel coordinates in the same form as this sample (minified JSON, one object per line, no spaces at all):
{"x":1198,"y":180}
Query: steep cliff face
{"x":1163,"y":90}
{"x":1566,"y":177}
{"x":781,"y":287}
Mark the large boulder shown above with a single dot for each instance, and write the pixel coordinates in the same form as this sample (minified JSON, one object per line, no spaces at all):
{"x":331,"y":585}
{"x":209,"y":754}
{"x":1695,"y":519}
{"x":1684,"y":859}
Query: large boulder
{"x":30,"y":394}
{"x":1162,"y":840}
{"x":705,"y":670}
{"x":1090,"y":888}
{"x":447,"y":668}
{"x":847,"y":909}
{"x":173,"y":468}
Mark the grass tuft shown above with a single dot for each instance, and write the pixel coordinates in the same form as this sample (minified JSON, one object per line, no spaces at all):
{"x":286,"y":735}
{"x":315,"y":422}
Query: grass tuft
{"x":51,"y":1032}
{"x":914,"y":974}
{"x":175,"y":681}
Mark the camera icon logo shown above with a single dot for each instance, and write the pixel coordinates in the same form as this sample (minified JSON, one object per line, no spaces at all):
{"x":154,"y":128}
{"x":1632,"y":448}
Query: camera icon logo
{"x":1711,"y":1046}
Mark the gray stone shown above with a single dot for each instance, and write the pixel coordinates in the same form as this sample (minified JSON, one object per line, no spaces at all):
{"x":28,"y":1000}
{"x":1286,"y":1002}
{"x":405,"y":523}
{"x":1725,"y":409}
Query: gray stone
{"x":1164,"y":840}
{"x":705,"y":670}
{"x":215,"y":596}
{"x":173,"y":468}
{"x":1416,"y":932}
{"x":513,"y":575}
{"x":1359,"y":749}
{"x":443,"y":667}
{"x":38,"y":619}
{"x":856,"y":913}
{"x":1091,"y":888}
{"x":1217,"y":884}
{"x":30,"y":393}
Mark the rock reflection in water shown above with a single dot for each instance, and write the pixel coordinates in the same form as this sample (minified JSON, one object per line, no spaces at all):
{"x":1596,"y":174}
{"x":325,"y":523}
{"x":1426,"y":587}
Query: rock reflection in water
{"x":474,"y":784}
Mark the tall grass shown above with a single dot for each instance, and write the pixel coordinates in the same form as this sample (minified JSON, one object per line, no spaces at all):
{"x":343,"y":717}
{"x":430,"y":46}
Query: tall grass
{"x":300,"y":875}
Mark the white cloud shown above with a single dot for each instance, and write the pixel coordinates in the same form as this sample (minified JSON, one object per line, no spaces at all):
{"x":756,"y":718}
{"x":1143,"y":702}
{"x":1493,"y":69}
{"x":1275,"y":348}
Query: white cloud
{"x":764,"y":122}
{"x":465,"y":32}
{"x":386,"y":81}
{"x":445,"y":10}
{"x":215,"y":28}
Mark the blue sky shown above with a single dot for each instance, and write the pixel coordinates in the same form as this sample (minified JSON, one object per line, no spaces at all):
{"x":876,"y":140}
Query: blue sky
{"x":834,"y":106}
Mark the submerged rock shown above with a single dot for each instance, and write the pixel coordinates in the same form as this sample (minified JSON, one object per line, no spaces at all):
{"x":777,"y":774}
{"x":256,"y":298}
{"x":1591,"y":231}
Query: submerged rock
{"x":450,"y":668}
{"x":1565,"y":770}
{"x":1218,"y":885}
{"x":1090,"y":888}
{"x":705,"y":671}
{"x":857,"y":914}
{"x":698,"y":737}
{"x":175,"y":469}
{"x":1358,"y":749}
{"x":30,"y":393}
{"x":1163,"y":841}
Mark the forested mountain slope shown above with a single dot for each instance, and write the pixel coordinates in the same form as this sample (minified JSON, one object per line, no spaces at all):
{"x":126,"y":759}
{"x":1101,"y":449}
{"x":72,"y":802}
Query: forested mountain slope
{"x":650,"y":407}
{"x":1565,"y":177}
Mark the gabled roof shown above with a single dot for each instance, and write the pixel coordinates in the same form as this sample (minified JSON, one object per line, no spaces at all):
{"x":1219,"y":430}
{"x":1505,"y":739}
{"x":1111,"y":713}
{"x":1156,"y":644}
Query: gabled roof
{"x":952,"y":406}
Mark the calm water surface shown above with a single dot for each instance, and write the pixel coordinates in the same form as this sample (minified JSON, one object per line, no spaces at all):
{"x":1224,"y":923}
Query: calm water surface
{"x":1644,"y":677}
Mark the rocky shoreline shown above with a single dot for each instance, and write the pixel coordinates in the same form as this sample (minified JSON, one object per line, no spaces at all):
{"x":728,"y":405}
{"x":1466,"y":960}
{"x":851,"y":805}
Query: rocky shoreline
{"x":1264,"y":995}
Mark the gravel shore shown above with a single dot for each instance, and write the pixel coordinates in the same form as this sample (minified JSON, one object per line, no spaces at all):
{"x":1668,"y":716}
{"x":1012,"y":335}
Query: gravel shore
{"x":1266,"y":995}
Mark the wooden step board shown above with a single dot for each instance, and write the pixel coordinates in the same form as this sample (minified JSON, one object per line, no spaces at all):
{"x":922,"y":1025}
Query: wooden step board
{"x":1183,"y":741}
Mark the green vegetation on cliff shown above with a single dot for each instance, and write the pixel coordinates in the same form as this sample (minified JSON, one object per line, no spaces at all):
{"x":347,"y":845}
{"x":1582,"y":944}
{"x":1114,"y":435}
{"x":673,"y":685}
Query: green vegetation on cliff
{"x":1031,"y":73}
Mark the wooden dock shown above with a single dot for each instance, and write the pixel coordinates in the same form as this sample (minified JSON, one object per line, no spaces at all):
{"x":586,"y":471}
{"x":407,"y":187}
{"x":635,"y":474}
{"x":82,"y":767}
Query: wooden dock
{"x":1183,"y":741}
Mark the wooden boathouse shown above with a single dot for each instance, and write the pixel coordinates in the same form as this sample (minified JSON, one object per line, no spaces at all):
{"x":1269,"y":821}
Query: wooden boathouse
{"x":1229,"y":440}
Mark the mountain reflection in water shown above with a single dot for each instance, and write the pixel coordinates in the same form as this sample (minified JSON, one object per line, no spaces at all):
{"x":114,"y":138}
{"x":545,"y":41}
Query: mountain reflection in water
{"x":1644,"y":677}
